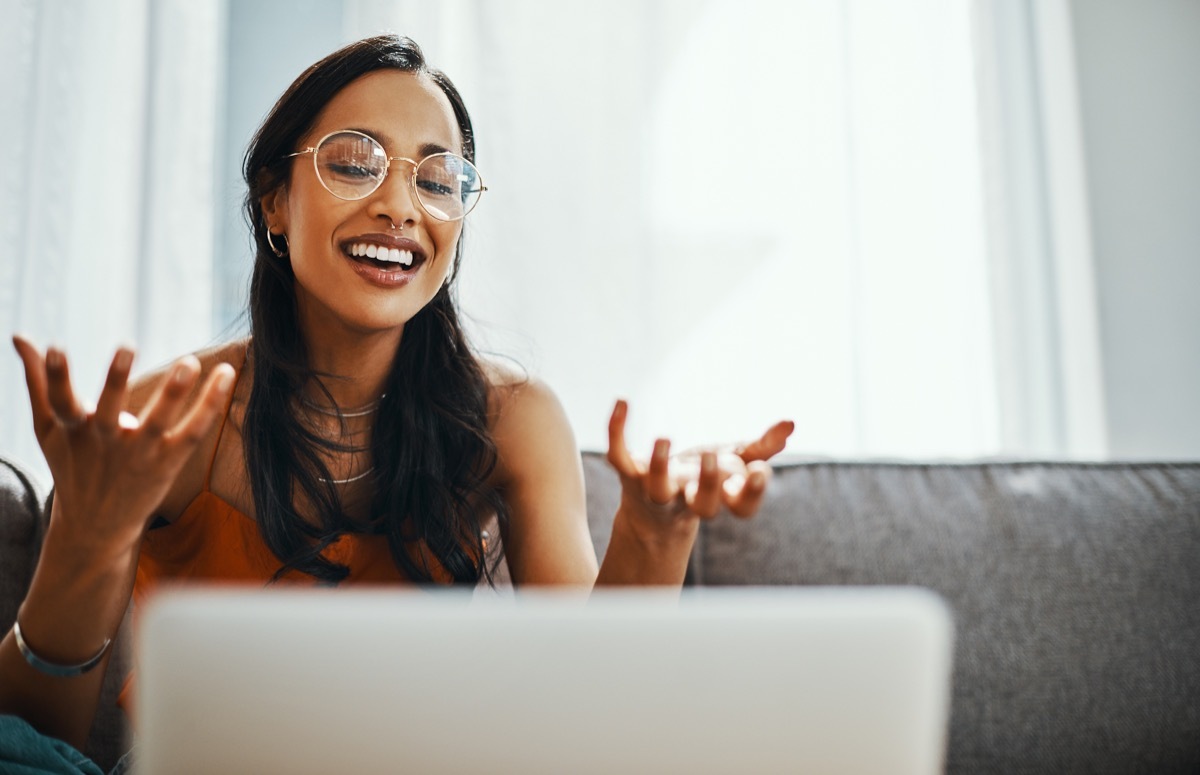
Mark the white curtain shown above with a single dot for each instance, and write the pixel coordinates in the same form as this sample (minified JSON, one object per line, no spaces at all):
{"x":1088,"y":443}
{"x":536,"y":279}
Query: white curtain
{"x":1050,"y":388}
{"x":108,"y":126}
{"x":735,"y":211}
{"x":863,"y":215}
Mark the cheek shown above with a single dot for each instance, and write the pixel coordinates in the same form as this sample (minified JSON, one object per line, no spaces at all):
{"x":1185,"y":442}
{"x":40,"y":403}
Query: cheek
{"x":314,"y":224}
{"x":445,"y":239}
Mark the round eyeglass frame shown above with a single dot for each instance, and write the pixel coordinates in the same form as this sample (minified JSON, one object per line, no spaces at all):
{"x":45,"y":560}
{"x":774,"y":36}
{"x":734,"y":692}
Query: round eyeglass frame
{"x":412,"y":181}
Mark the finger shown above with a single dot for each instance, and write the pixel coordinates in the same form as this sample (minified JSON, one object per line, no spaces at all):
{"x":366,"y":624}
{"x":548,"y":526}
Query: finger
{"x":618,"y":454}
{"x":659,"y":487}
{"x":35,"y":381}
{"x":162,"y":411}
{"x":208,"y":409}
{"x":770,"y":444}
{"x":706,"y":496}
{"x":62,"y":395}
{"x":112,"y":397}
{"x":745,"y":500}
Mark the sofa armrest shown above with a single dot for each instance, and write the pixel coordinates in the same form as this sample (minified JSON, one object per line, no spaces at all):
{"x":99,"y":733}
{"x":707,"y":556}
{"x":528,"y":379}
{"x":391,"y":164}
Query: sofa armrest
{"x":22,"y":528}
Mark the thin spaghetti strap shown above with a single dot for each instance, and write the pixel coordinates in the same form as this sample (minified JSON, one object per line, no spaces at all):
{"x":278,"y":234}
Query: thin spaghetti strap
{"x":224,"y":419}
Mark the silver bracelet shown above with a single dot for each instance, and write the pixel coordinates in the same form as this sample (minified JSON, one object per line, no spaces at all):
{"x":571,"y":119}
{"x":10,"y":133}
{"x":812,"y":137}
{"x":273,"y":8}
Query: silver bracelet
{"x":50,"y":668}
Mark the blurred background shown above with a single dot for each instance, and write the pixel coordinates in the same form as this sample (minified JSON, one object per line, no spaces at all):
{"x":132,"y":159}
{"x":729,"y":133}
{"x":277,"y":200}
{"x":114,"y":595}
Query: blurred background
{"x":927,"y":229}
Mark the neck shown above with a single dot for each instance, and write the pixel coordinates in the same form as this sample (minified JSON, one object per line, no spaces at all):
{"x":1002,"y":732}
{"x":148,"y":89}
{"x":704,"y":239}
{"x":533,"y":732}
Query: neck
{"x":359,"y":365}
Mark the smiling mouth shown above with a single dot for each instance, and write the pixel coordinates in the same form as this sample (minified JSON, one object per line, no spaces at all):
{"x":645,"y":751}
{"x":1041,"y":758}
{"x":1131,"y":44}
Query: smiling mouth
{"x":384,"y":258}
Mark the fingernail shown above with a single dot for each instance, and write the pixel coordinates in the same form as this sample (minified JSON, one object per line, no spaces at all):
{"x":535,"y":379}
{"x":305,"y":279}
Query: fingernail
{"x":54,"y":359}
{"x":708,"y":462}
{"x":123,"y":359}
{"x":181,"y":374}
{"x":661,"y":448}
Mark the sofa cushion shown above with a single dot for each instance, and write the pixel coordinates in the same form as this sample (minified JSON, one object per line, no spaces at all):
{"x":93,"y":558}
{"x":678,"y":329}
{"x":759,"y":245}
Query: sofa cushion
{"x":1075,"y":588}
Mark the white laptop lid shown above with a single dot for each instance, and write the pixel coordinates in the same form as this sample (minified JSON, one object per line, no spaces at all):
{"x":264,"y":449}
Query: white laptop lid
{"x":740,"y":680}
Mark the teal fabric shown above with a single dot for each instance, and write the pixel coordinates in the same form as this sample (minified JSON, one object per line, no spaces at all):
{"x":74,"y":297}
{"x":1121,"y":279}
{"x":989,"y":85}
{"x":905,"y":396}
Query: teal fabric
{"x":23,"y":751}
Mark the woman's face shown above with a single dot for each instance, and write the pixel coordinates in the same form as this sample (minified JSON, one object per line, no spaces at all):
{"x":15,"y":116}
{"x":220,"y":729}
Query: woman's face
{"x":337,"y":292}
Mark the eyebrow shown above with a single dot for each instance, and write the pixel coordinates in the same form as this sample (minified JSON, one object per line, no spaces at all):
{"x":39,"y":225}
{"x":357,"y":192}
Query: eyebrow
{"x":428,"y":149}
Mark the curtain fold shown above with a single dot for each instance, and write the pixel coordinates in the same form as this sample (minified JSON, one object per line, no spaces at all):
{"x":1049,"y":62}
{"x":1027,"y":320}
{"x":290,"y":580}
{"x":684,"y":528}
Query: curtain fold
{"x":106,"y":207}
{"x":1049,"y":375}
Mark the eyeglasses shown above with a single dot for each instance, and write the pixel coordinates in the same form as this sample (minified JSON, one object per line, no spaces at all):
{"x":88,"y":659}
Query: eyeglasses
{"x":352,"y":165}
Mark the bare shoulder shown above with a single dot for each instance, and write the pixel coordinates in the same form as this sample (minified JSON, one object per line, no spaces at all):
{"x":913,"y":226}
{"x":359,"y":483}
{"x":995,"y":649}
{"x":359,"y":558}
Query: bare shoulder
{"x":517,"y":398}
{"x":142,"y":388}
{"x":527,"y":420}
{"x":538,"y":469}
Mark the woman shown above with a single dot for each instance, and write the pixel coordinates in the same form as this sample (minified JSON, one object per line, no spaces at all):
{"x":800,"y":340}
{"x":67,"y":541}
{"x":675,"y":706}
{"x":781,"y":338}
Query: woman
{"x":355,"y":436}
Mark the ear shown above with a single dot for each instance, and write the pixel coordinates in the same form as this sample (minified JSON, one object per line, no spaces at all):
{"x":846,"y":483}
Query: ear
{"x":275,"y":210}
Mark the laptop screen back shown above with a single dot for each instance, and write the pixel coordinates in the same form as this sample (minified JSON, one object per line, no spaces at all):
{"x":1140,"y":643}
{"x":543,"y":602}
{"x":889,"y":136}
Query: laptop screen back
{"x":738,"y":680}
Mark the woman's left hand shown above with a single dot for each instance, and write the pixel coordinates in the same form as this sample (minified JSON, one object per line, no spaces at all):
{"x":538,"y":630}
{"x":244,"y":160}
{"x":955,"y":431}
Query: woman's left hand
{"x":696,"y":484}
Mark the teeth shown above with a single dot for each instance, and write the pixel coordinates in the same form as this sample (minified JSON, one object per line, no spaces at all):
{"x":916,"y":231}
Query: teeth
{"x":380,"y":253}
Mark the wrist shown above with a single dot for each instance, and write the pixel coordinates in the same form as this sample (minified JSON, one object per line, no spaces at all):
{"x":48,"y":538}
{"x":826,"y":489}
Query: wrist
{"x":88,"y":557}
{"x":645,"y":552}
{"x":83,"y":546}
{"x":656,"y":534}
{"x":52,"y":668}
{"x":76,"y":600}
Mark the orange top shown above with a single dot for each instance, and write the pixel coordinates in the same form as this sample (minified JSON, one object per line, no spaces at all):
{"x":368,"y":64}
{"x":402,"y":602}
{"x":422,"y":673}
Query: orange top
{"x":213,"y":543}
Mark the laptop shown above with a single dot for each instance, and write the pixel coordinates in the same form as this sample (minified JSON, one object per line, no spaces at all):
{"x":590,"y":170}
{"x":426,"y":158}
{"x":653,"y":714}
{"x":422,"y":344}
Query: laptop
{"x":821,"y":680}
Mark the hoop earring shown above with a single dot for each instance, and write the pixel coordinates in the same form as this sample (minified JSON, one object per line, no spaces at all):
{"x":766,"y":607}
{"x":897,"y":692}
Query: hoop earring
{"x":275,"y":250}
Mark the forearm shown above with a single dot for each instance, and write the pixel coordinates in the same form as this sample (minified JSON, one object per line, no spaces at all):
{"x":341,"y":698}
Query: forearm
{"x":647,"y":555}
{"x":76,"y":602}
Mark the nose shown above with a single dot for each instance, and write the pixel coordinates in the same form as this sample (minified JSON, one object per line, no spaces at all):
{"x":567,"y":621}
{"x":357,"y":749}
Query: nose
{"x":396,"y":199}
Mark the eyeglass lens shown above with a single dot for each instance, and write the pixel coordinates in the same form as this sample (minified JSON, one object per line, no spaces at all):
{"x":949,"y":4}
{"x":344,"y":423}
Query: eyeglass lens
{"x":353,"y":166}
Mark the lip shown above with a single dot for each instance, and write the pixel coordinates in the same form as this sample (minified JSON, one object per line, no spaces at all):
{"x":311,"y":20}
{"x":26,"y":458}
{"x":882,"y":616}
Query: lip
{"x":388,"y":278}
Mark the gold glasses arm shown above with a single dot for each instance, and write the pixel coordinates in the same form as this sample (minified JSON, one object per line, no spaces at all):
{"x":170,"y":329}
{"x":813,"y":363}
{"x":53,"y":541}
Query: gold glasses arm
{"x":301,"y":153}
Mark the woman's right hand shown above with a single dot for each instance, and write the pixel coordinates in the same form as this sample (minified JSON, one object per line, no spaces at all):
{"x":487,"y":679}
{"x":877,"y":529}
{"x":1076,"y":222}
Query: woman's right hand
{"x":111,"y":469}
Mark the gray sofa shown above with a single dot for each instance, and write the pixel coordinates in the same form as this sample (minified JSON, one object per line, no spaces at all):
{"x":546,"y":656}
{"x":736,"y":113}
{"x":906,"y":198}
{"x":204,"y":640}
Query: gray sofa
{"x":1075,"y":590}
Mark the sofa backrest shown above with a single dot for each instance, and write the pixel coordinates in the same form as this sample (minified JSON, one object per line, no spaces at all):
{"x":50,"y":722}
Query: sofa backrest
{"x":1075,"y":589}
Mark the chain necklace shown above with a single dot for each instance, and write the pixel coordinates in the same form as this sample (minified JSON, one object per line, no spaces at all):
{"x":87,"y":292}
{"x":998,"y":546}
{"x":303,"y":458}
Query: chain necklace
{"x":360,"y":411}
{"x":348,"y":480}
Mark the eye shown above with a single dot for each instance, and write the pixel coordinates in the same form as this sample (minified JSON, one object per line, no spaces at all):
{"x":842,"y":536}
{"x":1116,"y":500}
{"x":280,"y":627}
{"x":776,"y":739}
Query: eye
{"x":350,"y":170}
{"x":351,"y":158}
{"x":435,"y":187}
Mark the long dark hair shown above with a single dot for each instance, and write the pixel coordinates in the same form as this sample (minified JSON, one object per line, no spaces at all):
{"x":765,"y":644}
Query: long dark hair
{"x":431,"y":445}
